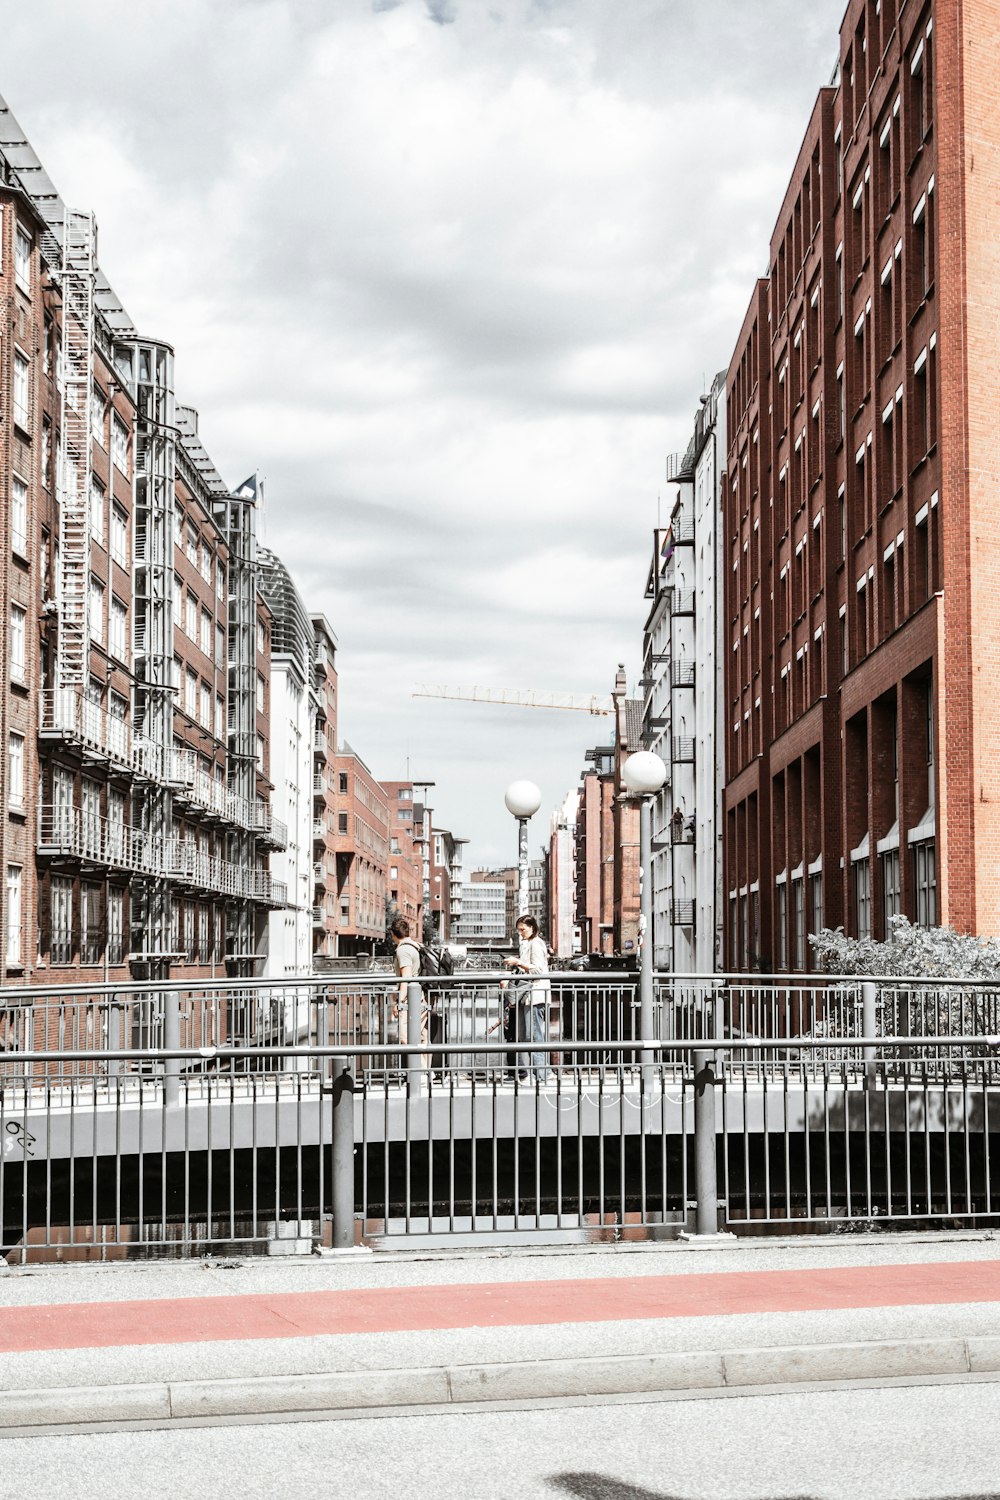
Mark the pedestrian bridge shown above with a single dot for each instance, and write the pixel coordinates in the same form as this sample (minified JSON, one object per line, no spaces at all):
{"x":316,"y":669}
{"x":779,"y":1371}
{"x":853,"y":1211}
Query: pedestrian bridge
{"x":183,"y":1107}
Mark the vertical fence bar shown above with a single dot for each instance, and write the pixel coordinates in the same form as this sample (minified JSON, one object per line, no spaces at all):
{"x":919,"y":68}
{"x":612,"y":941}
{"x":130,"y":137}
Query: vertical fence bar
{"x":869,"y":996}
{"x":342,"y":1171}
{"x":706,"y":1184}
{"x":171,"y":1042}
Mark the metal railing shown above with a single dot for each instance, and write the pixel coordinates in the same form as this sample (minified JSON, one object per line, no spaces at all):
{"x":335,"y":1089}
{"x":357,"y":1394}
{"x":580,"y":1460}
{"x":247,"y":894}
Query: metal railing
{"x":176,"y":1118}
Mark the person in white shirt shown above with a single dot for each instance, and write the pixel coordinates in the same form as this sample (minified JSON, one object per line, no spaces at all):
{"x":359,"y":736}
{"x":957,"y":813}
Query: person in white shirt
{"x":533,"y":959}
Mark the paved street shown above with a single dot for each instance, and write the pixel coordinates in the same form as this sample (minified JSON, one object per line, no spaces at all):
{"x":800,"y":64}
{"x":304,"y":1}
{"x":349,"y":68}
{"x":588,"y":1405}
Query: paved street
{"x":864,"y":1444}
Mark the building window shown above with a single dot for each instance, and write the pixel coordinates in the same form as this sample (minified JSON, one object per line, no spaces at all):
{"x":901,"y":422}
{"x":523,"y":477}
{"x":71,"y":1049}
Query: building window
{"x":116,"y":926}
{"x":205,"y":562}
{"x":119,"y":536}
{"x":90,"y":923}
{"x":191,"y":618}
{"x":22,"y":260}
{"x":61,"y":948}
{"x":118,"y":632}
{"x":22,"y":391}
{"x":205,"y":706}
{"x":816,"y":903}
{"x":220,"y":646}
{"x":18,"y":624}
{"x":219,"y":727}
{"x":799,"y":923}
{"x":96,"y":611}
{"x":13,"y":916}
{"x":19,"y":515}
{"x":260,"y":752}
{"x":97,"y":415}
{"x":342,"y":782}
{"x":15,"y":772}
{"x":782,"y":906}
{"x":191,"y":545}
{"x":925,"y":870}
{"x":206,"y":632}
{"x":46,"y":453}
{"x":341,"y":822}
{"x":119,"y":443}
{"x":178,"y":604}
{"x":863,"y":898}
{"x":97,"y":511}
{"x":890,"y":888}
{"x":261,"y":690}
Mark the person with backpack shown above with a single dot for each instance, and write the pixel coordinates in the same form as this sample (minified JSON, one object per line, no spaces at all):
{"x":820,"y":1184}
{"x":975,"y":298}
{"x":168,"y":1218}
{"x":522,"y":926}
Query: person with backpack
{"x":408,"y":1008}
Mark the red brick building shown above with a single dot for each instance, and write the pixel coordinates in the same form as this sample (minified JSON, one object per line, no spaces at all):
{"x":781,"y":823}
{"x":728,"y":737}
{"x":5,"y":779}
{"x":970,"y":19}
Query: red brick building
{"x":134,"y":656}
{"x":861,"y":562}
{"x":405,"y":885}
{"x":595,"y":853}
{"x":361,"y":844}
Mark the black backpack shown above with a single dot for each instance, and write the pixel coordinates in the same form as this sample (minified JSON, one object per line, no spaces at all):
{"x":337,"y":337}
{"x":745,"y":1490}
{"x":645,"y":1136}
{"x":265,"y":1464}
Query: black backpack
{"x":435,"y":961}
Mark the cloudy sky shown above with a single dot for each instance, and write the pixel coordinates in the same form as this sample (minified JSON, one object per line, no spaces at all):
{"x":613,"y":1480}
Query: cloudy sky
{"x":452,"y":275}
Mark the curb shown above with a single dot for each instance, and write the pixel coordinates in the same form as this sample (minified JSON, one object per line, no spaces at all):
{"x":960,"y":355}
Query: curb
{"x":525,"y":1380}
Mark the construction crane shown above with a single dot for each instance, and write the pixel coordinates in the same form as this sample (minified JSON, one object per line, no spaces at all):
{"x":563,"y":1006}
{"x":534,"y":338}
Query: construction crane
{"x":519,"y":698}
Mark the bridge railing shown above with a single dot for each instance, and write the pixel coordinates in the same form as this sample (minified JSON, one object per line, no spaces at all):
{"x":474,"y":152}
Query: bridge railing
{"x":286,"y":1158}
{"x":118,"y":1024}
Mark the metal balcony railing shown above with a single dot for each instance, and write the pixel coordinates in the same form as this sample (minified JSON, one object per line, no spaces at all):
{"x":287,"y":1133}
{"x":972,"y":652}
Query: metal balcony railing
{"x":318,"y":917}
{"x":682,"y":674}
{"x":682,"y":749}
{"x":67,"y":714}
{"x":682,"y":913}
{"x":681,"y":601}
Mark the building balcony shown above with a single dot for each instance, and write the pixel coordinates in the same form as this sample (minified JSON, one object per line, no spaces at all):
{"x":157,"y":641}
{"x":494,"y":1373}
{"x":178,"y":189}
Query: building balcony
{"x":270,"y":830}
{"x":682,"y":530}
{"x":318,"y":917}
{"x":682,"y":750}
{"x":320,"y":876}
{"x":65,"y":714}
{"x":682,"y":913}
{"x":681,"y":601}
{"x":70,"y":834}
{"x":682,"y":674}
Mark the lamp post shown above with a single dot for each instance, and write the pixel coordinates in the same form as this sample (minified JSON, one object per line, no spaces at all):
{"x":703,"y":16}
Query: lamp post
{"x":522,"y":799}
{"x":644,"y":775}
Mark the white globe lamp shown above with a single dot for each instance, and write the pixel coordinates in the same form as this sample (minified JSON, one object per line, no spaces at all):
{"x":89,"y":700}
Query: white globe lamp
{"x":644,"y":773}
{"x":523,"y":799}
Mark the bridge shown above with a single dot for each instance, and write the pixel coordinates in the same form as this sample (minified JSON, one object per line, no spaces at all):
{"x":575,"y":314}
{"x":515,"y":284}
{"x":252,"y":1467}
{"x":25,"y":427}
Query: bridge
{"x":172,"y":1116}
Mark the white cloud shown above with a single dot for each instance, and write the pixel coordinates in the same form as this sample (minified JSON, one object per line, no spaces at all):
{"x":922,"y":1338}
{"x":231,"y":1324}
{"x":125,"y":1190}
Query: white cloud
{"x":451,"y":275}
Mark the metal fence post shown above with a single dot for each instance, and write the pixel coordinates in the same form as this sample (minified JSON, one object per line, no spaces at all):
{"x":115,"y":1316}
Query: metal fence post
{"x":869,"y":996}
{"x":414,"y":1029}
{"x":706,"y":1180}
{"x":342,"y":1186}
{"x":171,"y":1043}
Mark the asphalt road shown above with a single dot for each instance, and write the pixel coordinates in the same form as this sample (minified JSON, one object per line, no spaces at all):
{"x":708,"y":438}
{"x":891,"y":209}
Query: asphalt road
{"x":889,"y":1443}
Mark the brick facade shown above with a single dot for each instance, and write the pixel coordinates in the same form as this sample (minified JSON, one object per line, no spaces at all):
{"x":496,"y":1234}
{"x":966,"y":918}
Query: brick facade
{"x":860,"y":561}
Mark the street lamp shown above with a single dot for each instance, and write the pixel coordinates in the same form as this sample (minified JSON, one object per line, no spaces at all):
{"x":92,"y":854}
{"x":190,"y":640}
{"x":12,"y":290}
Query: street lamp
{"x":644,"y":775}
{"x":522,"y":799}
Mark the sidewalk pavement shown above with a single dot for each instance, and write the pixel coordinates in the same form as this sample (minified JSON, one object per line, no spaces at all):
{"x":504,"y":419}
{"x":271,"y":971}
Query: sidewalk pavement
{"x":160,"y":1343}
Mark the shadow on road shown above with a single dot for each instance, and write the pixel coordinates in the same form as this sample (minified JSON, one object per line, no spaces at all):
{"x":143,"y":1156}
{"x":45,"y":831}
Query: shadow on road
{"x":586,"y":1484}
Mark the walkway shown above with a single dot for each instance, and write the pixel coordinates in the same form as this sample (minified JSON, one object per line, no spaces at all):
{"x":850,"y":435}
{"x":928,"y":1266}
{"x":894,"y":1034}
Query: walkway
{"x":158,"y":1343}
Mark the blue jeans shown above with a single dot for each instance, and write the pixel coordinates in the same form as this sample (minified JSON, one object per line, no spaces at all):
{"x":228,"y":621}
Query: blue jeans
{"x":535,"y":1029}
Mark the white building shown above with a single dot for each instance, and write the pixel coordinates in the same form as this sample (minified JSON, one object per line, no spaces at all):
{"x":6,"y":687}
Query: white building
{"x":563,"y":928}
{"x":682,"y":709}
{"x":484,"y":913}
{"x":293,"y":717}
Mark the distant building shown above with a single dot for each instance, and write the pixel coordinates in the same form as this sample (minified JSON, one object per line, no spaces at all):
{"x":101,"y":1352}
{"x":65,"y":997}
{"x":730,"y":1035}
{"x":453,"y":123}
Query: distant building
{"x":446,"y":880}
{"x":405,"y":884}
{"x":538,"y":906}
{"x":292,"y":718}
{"x":484,"y":914}
{"x":361,"y":842}
{"x":507,"y":876}
{"x":682,"y":707}
{"x":325,"y":901}
{"x":595,"y":852}
{"x":564,"y":932}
